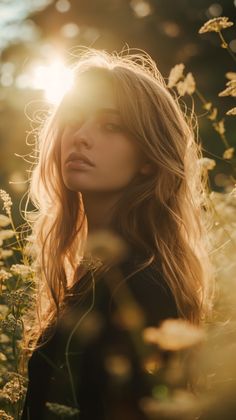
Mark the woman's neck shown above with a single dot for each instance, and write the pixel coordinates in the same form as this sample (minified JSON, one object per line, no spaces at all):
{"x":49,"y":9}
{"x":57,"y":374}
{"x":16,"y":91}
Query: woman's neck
{"x":99,"y":209}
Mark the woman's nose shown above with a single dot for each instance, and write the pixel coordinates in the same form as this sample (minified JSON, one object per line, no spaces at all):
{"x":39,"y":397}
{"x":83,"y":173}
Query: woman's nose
{"x":83,"y":134}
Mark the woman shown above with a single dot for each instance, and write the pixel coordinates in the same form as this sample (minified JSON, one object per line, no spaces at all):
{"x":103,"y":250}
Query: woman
{"x":118,"y":180}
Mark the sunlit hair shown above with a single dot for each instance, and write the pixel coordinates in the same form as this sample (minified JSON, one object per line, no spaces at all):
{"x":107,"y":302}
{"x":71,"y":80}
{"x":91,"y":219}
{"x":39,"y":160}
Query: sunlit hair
{"x":163,"y":214}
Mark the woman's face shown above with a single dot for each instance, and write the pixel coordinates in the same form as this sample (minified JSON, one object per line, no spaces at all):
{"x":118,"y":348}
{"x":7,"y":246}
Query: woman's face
{"x":95,"y":132}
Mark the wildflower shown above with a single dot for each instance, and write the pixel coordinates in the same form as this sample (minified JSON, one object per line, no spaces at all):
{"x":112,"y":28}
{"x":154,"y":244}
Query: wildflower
{"x":213,"y":114}
{"x":4,"y":339}
{"x":207,"y":163}
{"x":7,"y":203}
{"x":4,"y":275}
{"x":6,"y":234}
{"x":16,"y":297}
{"x":174,"y":334}
{"x":219,"y":127}
{"x":14,"y":389}
{"x":215,"y":25}
{"x":5,"y":416}
{"x":5,"y":253}
{"x":187,"y":86}
{"x":230,"y":90}
{"x":21,"y":270}
{"x":181,"y":404}
{"x":2,"y":357}
{"x":175,"y":75}
{"x":4,"y":220}
{"x":228,"y":153}
{"x":10,"y":324}
{"x":207,"y":106}
{"x":231,"y":75}
{"x":62,"y":410}
{"x":231,"y":111}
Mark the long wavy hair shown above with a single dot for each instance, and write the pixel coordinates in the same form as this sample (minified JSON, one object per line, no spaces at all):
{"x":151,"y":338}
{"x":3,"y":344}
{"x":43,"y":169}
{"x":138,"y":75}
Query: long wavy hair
{"x":165,"y":214}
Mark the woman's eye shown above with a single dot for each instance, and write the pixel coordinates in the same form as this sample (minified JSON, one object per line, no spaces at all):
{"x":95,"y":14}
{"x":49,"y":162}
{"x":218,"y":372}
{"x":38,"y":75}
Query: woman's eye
{"x":112,"y":127}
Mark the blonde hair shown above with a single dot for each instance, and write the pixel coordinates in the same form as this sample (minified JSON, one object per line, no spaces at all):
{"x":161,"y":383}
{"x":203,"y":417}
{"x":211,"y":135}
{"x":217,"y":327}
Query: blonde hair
{"x":163,"y":214}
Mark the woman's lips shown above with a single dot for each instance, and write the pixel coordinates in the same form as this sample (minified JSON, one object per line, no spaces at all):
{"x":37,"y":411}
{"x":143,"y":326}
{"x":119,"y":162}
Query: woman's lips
{"x":78,"y":164}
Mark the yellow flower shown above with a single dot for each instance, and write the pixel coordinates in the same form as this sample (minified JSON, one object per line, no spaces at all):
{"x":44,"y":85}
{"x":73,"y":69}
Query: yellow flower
{"x":228,"y":153}
{"x":174,"y":334}
{"x":219,"y":127}
{"x":215,"y":25}
{"x":175,"y":74}
{"x":187,"y":86}
{"x":231,"y":111}
{"x":207,"y":106}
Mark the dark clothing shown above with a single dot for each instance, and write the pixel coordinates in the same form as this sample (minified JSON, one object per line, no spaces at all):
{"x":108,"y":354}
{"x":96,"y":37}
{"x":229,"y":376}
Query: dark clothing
{"x":106,"y":377}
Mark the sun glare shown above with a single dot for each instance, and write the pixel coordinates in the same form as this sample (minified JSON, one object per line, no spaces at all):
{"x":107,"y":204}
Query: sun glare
{"x":55,"y":79}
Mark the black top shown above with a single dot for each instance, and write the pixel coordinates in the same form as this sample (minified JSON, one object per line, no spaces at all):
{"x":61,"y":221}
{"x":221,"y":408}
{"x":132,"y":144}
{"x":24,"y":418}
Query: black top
{"x":106,"y":377}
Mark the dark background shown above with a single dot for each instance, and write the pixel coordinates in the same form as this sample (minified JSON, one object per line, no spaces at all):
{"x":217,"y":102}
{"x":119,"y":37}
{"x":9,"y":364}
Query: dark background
{"x":32,"y":31}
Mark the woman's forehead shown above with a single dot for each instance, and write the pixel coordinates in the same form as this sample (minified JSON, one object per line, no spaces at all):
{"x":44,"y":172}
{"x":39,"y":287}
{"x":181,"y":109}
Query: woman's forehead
{"x":98,"y":97}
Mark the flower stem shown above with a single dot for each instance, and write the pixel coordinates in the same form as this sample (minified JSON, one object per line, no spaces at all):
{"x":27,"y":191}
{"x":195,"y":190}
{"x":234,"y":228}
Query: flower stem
{"x":226,"y":46}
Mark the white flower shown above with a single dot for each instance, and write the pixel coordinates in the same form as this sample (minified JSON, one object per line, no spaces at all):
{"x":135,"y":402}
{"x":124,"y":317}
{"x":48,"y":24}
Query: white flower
{"x":231,"y":111}
{"x":21,"y":270}
{"x":230,"y":90}
{"x":219,"y":127}
{"x":4,"y":220}
{"x":175,"y":74}
{"x":62,"y":410}
{"x":5,"y":253}
{"x":4,"y":275}
{"x":6,"y":234}
{"x":174,"y":334}
{"x":187,"y":86}
{"x":228,"y":153}
{"x":231,"y":75}
{"x":7,"y":203}
{"x":215,"y":25}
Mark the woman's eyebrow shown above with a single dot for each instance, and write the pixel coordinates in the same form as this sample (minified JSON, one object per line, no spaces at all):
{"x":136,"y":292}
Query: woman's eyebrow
{"x":113,"y":111}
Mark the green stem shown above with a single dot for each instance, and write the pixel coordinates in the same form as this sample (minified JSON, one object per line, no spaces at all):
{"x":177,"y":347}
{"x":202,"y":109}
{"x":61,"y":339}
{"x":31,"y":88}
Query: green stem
{"x":16,"y":234}
{"x":204,"y":101}
{"x":226,"y":46}
{"x":201,"y":97}
{"x":225,"y":141}
{"x":70,"y":338}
